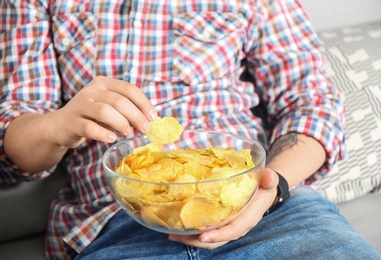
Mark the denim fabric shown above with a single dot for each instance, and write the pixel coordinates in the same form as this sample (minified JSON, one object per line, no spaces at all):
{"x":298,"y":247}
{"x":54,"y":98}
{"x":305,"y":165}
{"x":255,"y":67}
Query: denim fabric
{"x":307,"y":226}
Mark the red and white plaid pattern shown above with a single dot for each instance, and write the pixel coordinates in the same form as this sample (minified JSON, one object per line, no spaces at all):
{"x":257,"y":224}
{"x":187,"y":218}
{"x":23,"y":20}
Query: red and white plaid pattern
{"x":185,"y":56}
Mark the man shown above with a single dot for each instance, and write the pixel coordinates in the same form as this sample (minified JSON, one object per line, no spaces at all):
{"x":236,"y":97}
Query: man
{"x":78,"y":75}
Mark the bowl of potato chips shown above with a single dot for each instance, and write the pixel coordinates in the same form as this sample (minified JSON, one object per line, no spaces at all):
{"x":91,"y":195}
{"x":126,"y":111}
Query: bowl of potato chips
{"x":198,"y":181}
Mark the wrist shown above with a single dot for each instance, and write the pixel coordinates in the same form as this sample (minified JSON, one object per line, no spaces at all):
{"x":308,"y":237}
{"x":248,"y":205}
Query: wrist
{"x":28,"y":143}
{"x":53,"y":129}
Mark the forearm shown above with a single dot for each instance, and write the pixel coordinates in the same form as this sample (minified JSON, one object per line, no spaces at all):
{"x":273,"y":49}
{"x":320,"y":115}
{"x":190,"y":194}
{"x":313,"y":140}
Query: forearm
{"x":28,"y":143}
{"x":296,"y":157}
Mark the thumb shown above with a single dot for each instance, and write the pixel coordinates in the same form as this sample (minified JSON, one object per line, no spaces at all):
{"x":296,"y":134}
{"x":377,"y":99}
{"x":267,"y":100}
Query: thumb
{"x":269,"y":179}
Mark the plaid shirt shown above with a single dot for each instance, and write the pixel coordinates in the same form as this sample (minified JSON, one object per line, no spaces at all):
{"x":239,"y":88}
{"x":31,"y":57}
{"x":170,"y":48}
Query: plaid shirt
{"x":186,"y":56}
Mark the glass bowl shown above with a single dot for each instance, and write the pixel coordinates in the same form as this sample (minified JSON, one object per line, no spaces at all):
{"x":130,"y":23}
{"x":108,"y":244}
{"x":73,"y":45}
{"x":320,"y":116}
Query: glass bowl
{"x":186,"y":206}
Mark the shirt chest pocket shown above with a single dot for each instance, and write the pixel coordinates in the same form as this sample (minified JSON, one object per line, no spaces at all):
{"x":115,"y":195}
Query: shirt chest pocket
{"x":74,"y":37}
{"x":207,"y":45}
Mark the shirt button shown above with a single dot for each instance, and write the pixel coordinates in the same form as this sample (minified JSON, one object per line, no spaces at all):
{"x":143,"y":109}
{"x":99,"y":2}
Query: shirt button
{"x":66,"y":41}
{"x":133,"y":71}
{"x":137,"y":24}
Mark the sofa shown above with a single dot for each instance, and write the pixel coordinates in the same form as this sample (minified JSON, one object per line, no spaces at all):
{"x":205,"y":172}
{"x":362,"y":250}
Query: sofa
{"x":350,"y":32}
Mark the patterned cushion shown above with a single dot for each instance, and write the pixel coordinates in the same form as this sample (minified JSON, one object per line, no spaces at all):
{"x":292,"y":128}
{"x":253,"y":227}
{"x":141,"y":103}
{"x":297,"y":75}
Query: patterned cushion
{"x":354,"y":55}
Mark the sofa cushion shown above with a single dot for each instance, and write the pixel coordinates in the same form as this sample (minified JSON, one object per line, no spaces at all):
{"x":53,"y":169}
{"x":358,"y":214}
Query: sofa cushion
{"x":31,"y":247}
{"x":25,"y":206}
{"x":355,"y":66}
{"x":364,"y":216}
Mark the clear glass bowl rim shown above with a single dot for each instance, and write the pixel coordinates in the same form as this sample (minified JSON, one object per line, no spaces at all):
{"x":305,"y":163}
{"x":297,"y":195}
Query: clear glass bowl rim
{"x":255,"y":143}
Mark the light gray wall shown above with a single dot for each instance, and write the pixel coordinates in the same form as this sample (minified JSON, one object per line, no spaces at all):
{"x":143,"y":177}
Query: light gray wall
{"x":329,"y":14}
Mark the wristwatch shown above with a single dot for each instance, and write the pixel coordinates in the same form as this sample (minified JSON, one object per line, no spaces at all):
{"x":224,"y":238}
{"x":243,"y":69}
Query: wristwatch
{"x":282,"y":194}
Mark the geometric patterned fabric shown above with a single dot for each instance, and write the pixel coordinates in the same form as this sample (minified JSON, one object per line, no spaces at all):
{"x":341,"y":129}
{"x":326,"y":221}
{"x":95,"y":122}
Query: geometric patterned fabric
{"x":354,"y":56}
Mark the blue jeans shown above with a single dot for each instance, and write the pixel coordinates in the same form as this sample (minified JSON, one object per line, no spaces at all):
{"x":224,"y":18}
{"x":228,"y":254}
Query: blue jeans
{"x":307,"y":226}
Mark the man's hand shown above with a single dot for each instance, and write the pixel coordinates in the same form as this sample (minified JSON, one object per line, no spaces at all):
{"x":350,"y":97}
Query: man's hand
{"x":103,"y":106}
{"x":243,"y":223}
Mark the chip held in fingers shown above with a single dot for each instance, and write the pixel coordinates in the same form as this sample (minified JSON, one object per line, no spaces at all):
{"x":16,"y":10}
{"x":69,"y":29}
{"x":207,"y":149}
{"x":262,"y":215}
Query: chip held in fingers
{"x":164,"y":130}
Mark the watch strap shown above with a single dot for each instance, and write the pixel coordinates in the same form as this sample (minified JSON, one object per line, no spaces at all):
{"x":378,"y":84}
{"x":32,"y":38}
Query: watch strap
{"x":283,"y":193}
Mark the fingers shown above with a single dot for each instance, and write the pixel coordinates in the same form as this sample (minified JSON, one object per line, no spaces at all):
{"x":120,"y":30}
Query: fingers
{"x":234,"y":230}
{"x":194,"y":240}
{"x":131,"y":101}
{"x":118,"y":104}
{"x":244,"y":222}
{"x":102,"y":109}
{"x":95,"y":131}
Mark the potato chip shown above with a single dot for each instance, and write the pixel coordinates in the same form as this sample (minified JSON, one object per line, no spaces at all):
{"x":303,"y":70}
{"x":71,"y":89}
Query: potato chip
{"x":124,"y":169}
{"x":151,"y":218}
{"x":220,"y":152}
{"x":172,"y":169}
{"x":224,"y":172}
{"x":184,"y":156}
{"x":151,"y":173}
{"x":152,"y":199}
{"x":236,"y":159}
{"x":201,"y":212}
{"x":237,"y":192}
{"x":185,"y":188}
{"x":148,"y":149}
{"x":182,"y":191}
{"x":139,"y":161}
{"x":246,"y":153}
{"x":211,"y":189}
{"x":158,"y":156}
{"x":128,"y":188}
{"x":206,"y":160}
{"x":169,"y":213}
{"x":164,"y":130}
{"x":196,"y":170}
